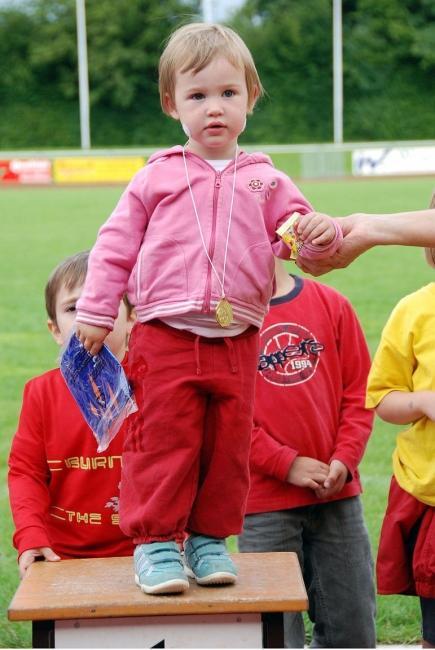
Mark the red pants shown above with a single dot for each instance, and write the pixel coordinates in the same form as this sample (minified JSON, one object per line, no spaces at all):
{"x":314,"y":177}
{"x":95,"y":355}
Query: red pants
{"x":186,"y":452}
{"x":406,"y":555}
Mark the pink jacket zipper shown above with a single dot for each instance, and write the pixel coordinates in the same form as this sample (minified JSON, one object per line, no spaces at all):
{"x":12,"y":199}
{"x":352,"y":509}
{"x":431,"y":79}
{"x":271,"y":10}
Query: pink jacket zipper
{"x":217,"y":185}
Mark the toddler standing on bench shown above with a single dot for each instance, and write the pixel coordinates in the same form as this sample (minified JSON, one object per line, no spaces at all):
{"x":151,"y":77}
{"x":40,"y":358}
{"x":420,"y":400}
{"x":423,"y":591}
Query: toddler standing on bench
{"x":192,"y":240}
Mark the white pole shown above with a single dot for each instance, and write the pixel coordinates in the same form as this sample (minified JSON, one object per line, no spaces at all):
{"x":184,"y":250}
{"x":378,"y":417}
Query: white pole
{"x":82,"y":54}
{"x":338,"y":71}
{"x":207,"y":11}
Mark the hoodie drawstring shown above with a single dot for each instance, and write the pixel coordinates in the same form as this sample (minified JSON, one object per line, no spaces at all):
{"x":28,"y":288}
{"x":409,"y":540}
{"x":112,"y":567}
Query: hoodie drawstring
{"x":231,"y":354}
{"x":197,"y":361}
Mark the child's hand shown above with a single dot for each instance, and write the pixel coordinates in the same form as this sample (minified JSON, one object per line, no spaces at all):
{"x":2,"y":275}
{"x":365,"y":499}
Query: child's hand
{"x":307,"y":472}
{"x":28,"y":557}
{"x":92,"y":337}
{"x":334,"y":481}
{"x":315,"y":228}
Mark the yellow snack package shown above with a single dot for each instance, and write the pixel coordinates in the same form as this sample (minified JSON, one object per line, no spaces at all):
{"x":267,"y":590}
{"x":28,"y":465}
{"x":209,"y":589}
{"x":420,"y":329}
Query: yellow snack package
{"x":287,"y":233}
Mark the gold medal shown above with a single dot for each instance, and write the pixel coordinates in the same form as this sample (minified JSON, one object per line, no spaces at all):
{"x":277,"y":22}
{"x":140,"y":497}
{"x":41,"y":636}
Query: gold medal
{"x":224,"y":313}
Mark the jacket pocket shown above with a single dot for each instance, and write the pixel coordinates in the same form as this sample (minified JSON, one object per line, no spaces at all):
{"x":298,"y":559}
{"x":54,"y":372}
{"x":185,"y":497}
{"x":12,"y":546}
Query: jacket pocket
{"x":253,"y":278}
{"x":160,"y":273}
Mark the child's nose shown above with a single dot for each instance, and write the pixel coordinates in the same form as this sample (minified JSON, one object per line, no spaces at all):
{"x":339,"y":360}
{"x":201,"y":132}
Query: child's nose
{"x":214,"y":108}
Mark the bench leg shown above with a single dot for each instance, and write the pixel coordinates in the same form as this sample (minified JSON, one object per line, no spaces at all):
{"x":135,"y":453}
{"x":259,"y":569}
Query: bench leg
{"x":43,"y":634}
{"x":273,"y":630}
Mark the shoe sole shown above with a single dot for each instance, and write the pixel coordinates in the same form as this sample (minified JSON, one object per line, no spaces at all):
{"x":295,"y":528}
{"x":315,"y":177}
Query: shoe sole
{"x":217,"y":578}
{"x":175,"y":586}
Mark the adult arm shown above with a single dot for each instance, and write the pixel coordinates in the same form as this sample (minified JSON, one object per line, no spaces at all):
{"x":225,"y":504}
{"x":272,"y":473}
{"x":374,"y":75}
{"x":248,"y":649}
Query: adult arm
{"x":363,"y":231}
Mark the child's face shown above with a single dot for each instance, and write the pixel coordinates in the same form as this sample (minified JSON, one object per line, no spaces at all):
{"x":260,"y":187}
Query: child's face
{"x":66,"y":315}
{"x":213,"y":104}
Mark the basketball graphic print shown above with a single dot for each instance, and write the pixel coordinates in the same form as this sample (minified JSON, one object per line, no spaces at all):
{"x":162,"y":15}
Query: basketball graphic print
{"x":289,"y":354}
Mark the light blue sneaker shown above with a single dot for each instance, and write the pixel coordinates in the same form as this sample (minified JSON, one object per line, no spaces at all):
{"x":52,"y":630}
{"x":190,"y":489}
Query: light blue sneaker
{"x":159,"y":568}
{"x":207,"y":560}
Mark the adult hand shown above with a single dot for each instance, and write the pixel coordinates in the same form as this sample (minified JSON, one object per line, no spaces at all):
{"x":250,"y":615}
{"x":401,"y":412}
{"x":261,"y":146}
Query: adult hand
{"x":30,"y":555}
{"x":334,"y":481}
{"x":356,"y":240}
{"x":307,"y":472}
{"x":92,"y":337}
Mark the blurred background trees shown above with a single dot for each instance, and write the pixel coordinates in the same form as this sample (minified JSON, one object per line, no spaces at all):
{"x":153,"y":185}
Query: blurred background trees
{"x":388,"y":54}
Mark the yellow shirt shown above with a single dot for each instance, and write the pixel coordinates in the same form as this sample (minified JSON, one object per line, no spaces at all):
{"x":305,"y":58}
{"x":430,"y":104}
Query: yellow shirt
{"x":405,"y":361}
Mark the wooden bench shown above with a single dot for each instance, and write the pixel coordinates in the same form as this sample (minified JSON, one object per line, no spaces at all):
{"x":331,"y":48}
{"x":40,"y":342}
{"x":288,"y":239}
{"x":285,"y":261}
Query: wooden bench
{"x":95,"y":603}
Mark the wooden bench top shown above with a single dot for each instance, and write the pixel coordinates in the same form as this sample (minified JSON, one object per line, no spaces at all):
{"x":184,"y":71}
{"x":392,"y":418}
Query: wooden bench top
{"x":104,"y":587}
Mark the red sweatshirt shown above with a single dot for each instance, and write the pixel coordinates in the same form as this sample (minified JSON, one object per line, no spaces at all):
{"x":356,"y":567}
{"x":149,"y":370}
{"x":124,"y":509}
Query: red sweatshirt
{"x":310,"y":395}
{"x":63,"y":493}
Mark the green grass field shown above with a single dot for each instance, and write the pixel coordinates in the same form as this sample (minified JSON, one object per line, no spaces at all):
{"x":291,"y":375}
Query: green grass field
{"x":40,"y":226}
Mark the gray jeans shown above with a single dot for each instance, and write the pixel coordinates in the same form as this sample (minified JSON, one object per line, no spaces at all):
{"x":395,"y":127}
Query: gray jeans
{"x":333,"y":548}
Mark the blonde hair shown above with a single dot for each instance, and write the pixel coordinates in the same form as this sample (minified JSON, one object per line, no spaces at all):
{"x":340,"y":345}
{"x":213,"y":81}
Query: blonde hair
{"x":193,"y":46}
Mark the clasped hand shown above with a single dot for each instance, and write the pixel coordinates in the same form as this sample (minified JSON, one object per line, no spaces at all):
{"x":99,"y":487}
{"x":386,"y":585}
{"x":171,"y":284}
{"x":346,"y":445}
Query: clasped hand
{"x":325,"y":480}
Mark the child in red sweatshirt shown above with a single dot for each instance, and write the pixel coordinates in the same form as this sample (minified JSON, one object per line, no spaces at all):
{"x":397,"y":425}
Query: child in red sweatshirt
{"x":310,"y":432}
{"x":64,"y":495}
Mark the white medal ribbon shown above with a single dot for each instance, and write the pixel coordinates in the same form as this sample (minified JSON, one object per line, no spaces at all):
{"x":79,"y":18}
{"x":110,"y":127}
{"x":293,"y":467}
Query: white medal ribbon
{"x":224,"y":315}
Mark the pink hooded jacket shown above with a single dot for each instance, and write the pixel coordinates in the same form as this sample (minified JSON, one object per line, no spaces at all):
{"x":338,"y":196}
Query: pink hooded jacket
{"x":151,"y":246}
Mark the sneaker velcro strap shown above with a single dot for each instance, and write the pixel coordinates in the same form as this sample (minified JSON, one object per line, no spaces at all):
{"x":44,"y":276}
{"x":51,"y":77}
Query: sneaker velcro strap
{"x":158,"y":553}
{"x":208,"y":546}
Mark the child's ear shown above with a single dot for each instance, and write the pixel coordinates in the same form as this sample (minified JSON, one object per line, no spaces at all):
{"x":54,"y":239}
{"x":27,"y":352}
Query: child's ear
{"x":169,"y":107}
{"x":54,"y":331}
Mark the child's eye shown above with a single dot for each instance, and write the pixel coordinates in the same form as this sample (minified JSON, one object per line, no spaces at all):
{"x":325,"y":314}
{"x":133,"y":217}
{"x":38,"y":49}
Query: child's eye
{"x":229,"y":93}
{"x":70,"y":308}
{"x":197,"y":96}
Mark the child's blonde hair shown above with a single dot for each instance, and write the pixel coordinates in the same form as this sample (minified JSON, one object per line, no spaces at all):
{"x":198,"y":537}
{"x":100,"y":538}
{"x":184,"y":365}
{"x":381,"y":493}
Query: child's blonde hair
{"x":193,"y":46}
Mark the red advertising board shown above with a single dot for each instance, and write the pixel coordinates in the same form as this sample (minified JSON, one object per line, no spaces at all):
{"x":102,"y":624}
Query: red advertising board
{"x":29,"y":171}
